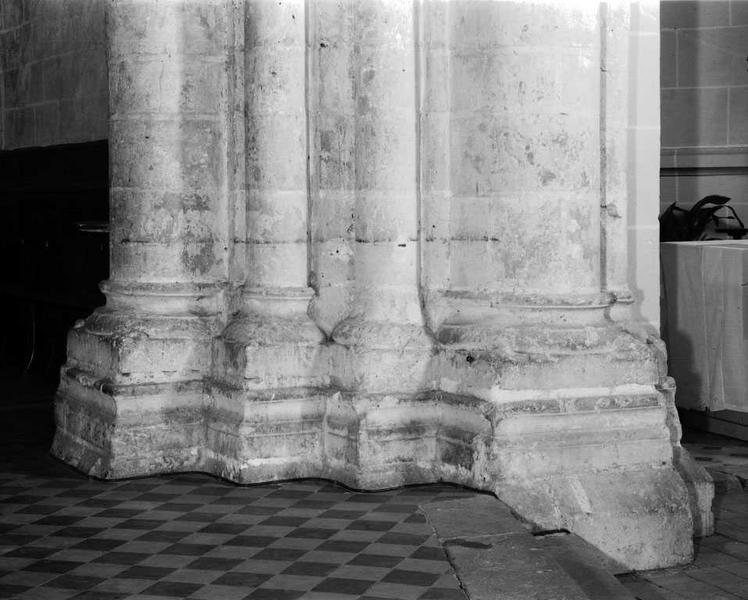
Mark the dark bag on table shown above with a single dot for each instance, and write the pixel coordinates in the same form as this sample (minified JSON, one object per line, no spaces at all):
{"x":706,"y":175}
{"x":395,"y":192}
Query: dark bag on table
{"x":701,"y":221}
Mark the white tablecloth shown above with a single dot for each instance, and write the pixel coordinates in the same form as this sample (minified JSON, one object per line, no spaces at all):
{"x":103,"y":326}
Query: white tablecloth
{"x":705,"y":323}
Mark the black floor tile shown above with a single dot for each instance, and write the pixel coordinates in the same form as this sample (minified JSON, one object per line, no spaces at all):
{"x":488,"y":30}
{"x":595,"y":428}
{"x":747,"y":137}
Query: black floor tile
{"x":185,"y":549}
{"x":403,"y":539}
{"x":144,"y":572}
{"x":371,"y":525}
{"x":73,"y":582}
{"x":121,"y":558}
{"x":315,"y":533}
{"x":98,"y":544}
{"x":176,"y":589}
{"x":230,"y":528}
{"x":254,"y":541}
{"x":317,"y":569}
{"x":207,"y":563}
{"x":279,"y":554}
{"x":375,"y":560}
{"x":272,"y":594}
{"x":163,"y":536}
{"x":31,"y":552}
{"x":77,"y":532}
{"x":241,"y":579}
{"x":9,"y":591}
{"x":284,"y":521}
{"x":411,"y":577}
{"x":146,"y":524}
{"x":341,"y":585}
{"x":342,"y":546}
{"x":52,"y":566}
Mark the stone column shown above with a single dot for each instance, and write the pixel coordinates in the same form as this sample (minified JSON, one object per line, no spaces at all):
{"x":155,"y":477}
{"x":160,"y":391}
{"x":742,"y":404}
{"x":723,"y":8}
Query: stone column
{"x":131,"y":394}
{"x":388,"y":346}
{"x":529,"y":315}
{"x":272,"y":312}
{"x":269,"y":358}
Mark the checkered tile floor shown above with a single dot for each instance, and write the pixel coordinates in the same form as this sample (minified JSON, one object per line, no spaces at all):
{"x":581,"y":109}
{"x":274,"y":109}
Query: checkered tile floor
{"x":63,"y":536}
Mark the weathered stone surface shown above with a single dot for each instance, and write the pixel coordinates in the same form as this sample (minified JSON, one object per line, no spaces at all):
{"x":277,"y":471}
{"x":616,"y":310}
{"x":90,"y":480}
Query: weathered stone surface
{"x":364,"y":241}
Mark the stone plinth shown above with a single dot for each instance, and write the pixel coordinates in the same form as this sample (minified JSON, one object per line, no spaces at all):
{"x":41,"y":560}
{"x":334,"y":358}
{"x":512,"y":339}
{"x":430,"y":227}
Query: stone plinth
{"x":382,"y":243}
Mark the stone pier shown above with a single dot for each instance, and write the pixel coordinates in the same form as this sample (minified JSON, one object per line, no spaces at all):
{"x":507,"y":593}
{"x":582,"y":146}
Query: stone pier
{"x":384,"y":243}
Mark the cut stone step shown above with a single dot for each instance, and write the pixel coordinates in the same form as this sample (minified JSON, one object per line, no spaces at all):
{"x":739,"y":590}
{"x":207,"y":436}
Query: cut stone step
{"x":496,"y":557}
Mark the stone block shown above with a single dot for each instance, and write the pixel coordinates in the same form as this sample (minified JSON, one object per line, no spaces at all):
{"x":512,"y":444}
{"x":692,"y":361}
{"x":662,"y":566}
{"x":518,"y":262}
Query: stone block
{"x":381,"y":25}
{"x":737,"y":128}
{"x":497,"y":153}
{"x":668,"y":59}
{"x":384,"y":156}
{"x":335,"y":84}
{"x":278,"y":73}
{"x":53,"y":78}
{"x":15,"y":88}
{"x":280,"y":263}
{"x":83,"y":119}
{"x":70,"y":73}
{"x":511,"y":242}
{"x":694,"y":117}
{"x":139,"y":357}
{"x":193,"y":27}
{"x":335,"y":164}
{"x":269,"y":163}
{"x":167,"y":84}
{"x":701,"y":490}
{"x":510,"y":566}
{"x":637,"y":517}
{"x":277,"y":216}
{"x":92,"y":79}
{"x":11,"y":14}
{"x":35,"y":83}
{"x":177,"y":155}
{"x":46,"y":123}
{"x":682,"y":14}
{"x":333,"y":217}
{"x":19,"y":129}
{"x":712,"y":57}
{"x":738,"y":12}
{"x":169,"y":218}
{"x":436,"y":95}
{"x":478,"y":516}
{"x":269,"y":24}
{"x":193,"y":261}
{"x":166,"y":434}
{"x":383,"y":83}
{"x":481,"y":25}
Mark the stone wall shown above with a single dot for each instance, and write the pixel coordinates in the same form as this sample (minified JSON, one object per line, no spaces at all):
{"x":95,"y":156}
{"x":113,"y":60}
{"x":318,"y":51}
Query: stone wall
{"x":53,"y":72}
{"x":704,"y":84}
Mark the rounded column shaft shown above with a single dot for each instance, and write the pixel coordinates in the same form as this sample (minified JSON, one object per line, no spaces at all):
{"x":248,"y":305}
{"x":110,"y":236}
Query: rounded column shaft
{"x":271,"y":342}
{"x":276,"y":152}
{"x":168,"y":143}
{"x":385,"y":310}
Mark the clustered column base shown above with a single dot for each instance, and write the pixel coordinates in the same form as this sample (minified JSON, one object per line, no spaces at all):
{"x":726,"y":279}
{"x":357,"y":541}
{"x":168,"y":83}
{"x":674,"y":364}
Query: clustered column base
{"x":595,"y":458}
{"x":131,"y":399}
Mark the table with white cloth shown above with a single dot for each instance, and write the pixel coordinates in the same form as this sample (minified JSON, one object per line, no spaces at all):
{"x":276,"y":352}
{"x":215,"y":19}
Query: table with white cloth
{"x":704,"y":322}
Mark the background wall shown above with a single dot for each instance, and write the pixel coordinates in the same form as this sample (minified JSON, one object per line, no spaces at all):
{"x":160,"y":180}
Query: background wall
{"x":704,"y":87}
{"x":53,"y":73}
